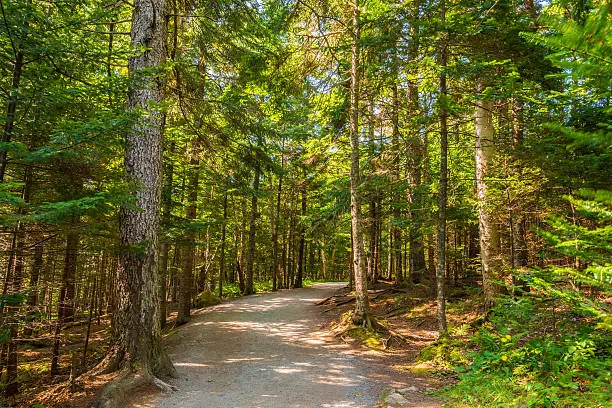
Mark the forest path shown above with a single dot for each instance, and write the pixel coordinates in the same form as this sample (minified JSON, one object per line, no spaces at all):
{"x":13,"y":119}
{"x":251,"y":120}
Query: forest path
{"x":271,"y":350}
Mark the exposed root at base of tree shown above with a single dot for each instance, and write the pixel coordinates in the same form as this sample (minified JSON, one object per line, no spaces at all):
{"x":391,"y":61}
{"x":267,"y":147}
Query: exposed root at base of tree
{"x":115,"y":393}
{"x":120,"y":377}
{"x":116,"y":358}
{"x":350,"y":321}
{"x":367,"y":321}
{"x":110,"y":363}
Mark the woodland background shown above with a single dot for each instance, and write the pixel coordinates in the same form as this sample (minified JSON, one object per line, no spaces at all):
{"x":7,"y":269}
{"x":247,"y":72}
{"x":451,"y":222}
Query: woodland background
{"x":480,"y":132}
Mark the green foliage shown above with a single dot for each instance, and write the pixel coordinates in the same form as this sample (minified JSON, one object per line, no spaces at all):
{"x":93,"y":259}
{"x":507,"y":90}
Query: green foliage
{"x":206,"y":298}
{"x":12,"y":299}
{"x":230,"y":290}
{"x":530,"y":355}
{"x":448,"y":352}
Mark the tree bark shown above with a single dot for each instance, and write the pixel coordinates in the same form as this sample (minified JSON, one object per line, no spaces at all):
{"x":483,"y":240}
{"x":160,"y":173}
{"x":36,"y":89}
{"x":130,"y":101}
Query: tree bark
{"x":442,"y":198}
{"x":490,"y":244}
{"x":186,"y":279}
{"x":11,"y":109}
{"x":395,"y":248}
{"x":33,"y":292}
{"x":416,"y":255}
{"x":520,"y":252}
{"x":89,"y":318}
{"x":275,"y":265}
{"x":165,"y":245}
{"x":373,"y":207}
{"x":65,"y":306}
{"x":16,"y":278}
{"x":248,"y":287}
{"x":301,"y":258}
{"x":137,"y":335}
{"x":361,"y":314}
{"x":66,"y":303}
{"x":222,"y":256}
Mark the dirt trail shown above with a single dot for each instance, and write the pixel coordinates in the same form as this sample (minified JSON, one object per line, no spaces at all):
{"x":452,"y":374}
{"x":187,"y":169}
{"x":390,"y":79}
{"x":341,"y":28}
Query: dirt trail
{"x":270,"y":351}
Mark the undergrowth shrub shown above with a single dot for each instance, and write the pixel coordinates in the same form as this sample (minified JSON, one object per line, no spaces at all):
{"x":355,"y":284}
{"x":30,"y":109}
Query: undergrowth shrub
{"x":551,"y":346}
{"x":528,"y":357}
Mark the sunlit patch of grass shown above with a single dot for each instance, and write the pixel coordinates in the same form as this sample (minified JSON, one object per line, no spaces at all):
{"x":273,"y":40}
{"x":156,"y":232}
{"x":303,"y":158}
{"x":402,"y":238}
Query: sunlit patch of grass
{"x":524,"y":355}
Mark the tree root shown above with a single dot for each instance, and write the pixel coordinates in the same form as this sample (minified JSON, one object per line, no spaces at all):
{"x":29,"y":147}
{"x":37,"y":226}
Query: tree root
{"x":369,"y":322}
{"x":115,"y":393}
{"x":163,"y":386}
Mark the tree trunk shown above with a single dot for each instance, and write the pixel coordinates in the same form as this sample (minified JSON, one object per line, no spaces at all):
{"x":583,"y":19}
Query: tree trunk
{"x":520,"y":252}
{"x":490,"y":245}
{"x":11,"y":109}
{"x":442,"y":199}
{"x":163,"y":283}
{"x":15,"y":278}
{"x":373,"y":242}
{"x":301,"y":258}
{"x":416,"y":255}
{"x":275,"y":265}
{"x":13,"y":285}
{"x":323,"y":263}
{"x":222,"y":256}
{"x":243,"y":248}
{"x":137,"y":335}
{"x":165,"y":245}
{"x":373,"y":210}
{"x":88,"y":333}
{"x":65,"y":306}
{"x":66,"y":303}
{"x":248,"y":287}
{"x":390,"y":252}
{"x":33,"y":293}
{"x":291,"y":246}
{"x":362,"y":306}
{"x":284,"y":254}
{"x":395,"y":248}
{"x":186,"y":279}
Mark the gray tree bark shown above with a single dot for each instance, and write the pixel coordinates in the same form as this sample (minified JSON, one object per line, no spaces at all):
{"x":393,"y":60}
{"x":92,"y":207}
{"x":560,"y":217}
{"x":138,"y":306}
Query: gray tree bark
{"x":248,"y":280}
{"x":442,"y":198}
{"x":186,"y":279}
{"x":137,"y":343}
{"x":276,"y":264}
{"x":362,"y":305}
{"x":302,"y":232}
{"x":490,"y":244}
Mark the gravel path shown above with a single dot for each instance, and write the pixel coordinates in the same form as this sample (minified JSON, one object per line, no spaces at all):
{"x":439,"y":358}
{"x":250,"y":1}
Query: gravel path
{"x":270,"y":351}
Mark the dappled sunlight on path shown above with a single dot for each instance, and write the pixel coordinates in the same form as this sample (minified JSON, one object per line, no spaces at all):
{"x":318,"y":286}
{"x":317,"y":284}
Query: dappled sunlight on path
{"x":269,"y":351}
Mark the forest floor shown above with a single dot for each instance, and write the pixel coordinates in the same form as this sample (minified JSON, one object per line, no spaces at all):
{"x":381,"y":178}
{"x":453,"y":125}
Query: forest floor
{"x":279,"y":350}
{"x":284,"y":349}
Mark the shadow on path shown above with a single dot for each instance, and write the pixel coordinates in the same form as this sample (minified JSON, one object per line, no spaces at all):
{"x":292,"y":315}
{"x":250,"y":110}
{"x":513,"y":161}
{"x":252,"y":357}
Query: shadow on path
{"x":269,"y":351}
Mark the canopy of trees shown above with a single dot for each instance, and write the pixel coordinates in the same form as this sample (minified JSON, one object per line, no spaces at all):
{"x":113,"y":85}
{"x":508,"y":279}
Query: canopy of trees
{"x":155,"y":154}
